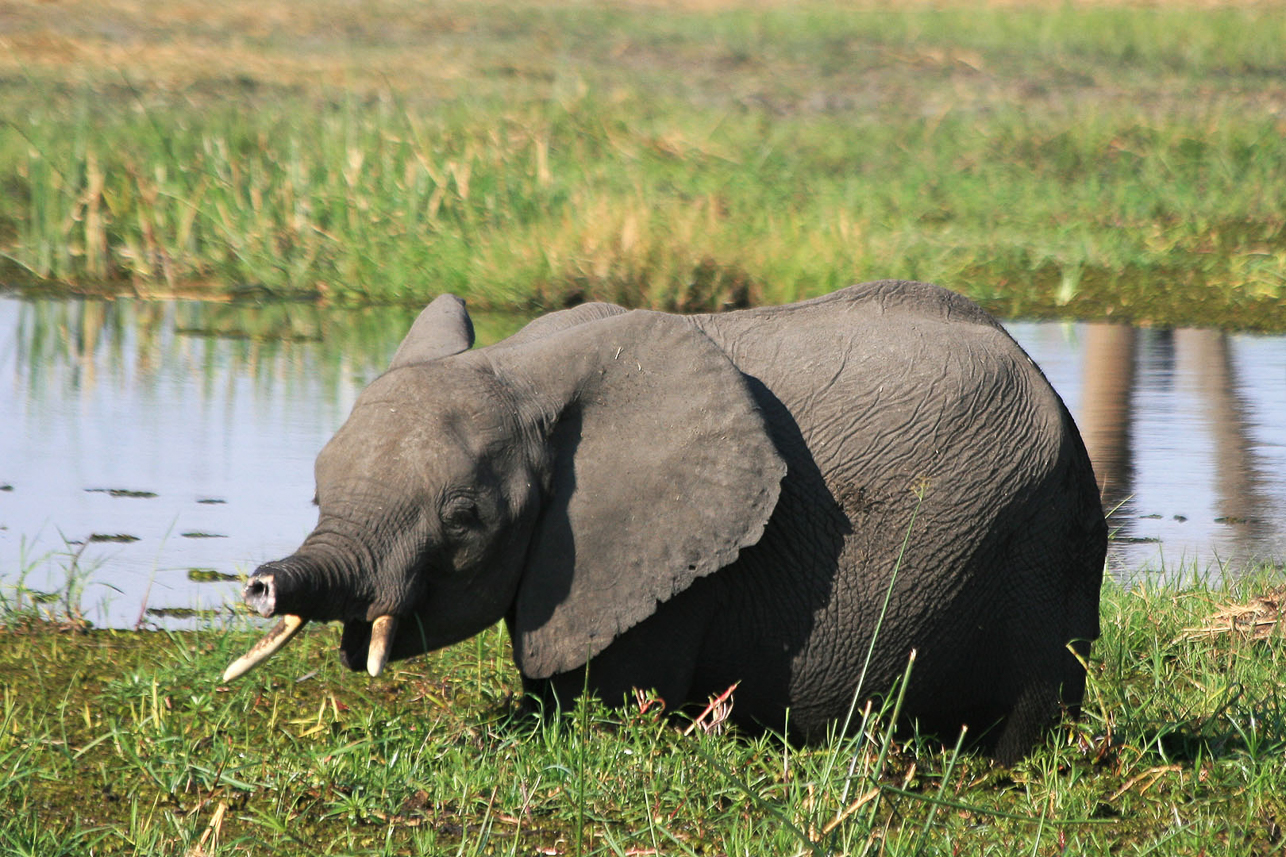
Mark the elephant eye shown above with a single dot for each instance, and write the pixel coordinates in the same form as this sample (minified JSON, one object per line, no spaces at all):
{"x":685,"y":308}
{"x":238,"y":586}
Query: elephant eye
{"x":460,"y":514}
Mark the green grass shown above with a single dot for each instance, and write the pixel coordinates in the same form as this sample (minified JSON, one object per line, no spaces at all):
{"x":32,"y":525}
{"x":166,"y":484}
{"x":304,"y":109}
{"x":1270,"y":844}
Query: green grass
{"x":117,"y":742}
{"x":1107,"y":161}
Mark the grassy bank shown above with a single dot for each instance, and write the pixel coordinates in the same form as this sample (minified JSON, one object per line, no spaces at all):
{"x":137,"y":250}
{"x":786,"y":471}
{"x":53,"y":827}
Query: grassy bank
{"x":125,"y":743}
{"x":1110,"y":160}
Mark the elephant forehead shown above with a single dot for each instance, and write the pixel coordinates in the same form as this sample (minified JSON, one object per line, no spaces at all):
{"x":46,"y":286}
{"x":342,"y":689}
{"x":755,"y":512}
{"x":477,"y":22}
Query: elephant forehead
{"x":379,"y":436}
{"x":396,"y":439}
{"x":434,"y":397}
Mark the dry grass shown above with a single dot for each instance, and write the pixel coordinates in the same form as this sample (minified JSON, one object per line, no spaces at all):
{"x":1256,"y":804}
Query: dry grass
{"x":173,"y":45}
{"x":176,"y":42}
{"x":722,"y":5}
{"x":1257,"y":618}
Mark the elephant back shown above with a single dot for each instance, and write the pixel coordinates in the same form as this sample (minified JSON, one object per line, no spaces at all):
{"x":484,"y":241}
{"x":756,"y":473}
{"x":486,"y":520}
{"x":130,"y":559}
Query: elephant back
{"x":927,"y":457}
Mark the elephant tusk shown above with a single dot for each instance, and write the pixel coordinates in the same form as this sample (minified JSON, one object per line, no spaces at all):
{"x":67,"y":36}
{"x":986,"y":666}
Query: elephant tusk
{"x":281,"y":634}
{"x":382,"y":632}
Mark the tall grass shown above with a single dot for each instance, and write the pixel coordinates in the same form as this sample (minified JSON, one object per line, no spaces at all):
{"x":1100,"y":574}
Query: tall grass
{"x":1123,"y":161}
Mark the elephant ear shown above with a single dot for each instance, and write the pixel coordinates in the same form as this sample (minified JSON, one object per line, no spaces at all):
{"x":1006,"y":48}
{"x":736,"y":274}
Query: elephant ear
{"x":554,"y":322}
{"x":663,"y":471}
{"x":442,"y":328}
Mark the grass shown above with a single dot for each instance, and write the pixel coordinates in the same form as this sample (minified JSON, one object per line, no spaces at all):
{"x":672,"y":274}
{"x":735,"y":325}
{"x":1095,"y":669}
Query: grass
{"x":115,"y":742}
{"x":1114,"y":160}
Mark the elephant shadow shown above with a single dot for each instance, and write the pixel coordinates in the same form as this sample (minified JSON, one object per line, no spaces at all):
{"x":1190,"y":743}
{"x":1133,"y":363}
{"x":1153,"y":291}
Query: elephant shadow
{"x":763,"y":619}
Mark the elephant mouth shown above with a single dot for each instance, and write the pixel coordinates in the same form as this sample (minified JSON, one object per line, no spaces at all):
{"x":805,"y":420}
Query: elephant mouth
{"x":368,"y":643}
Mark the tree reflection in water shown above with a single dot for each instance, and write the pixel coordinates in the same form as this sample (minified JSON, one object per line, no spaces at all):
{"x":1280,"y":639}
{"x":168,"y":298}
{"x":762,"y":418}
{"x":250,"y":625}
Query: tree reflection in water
{"x":1187,"y":410}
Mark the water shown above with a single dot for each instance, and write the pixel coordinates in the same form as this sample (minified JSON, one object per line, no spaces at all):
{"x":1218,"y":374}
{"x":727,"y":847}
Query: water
{"x":1187,"y":431}
{"x":219,"y":411}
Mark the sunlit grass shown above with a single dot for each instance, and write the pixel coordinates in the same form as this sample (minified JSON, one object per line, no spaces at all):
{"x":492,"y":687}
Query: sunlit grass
{"x":1047,"y":160}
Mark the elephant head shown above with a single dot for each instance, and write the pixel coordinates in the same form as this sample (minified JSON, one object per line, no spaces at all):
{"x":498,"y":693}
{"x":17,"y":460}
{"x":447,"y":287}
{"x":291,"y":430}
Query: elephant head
{"x":567,"y":479}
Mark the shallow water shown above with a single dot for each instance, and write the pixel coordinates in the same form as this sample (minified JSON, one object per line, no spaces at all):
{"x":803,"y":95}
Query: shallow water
{"x":1187,"y":431}
{"x":192,"y":428}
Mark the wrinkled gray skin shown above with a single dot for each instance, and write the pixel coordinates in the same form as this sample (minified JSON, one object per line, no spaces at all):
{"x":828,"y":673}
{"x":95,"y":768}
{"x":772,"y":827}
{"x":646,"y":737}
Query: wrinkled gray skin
{"x":690,"y":502}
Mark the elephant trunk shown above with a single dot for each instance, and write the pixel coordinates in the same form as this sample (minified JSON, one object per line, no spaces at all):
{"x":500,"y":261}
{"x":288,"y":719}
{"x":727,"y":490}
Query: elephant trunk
{"x":306,"y":586}
{"x":314,"y":582}
{"x":283,"y":587}
{"x":260,"y":593}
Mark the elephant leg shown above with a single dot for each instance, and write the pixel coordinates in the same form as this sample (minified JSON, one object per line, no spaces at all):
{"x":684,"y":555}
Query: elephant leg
{"x":659,"y":654}
{"x":1056,"y":611}
{"x":1035,"y":711}
{"x":1026,"y":724}
{"x":1037,"y":706}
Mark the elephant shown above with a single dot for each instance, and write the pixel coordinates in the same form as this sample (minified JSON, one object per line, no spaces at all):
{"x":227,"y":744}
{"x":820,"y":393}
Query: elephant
{"x":792,"y":498}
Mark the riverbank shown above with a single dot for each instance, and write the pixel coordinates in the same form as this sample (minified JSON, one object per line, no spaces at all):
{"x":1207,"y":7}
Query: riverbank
{"x":116,"y":742}
{"x":1110,"y":161}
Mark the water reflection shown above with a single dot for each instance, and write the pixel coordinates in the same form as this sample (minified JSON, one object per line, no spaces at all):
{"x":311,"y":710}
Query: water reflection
{"x":1204,"y":361}
{"x":192,"y":428}
{"x":1184,"y":428}
{"x":217,"y":411}
{"x":1104,"y":412}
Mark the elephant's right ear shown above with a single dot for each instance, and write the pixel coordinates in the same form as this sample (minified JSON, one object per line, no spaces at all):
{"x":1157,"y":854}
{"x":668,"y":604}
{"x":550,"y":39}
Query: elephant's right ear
{"x":443,"y":328}
{"x":662,"y":471}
